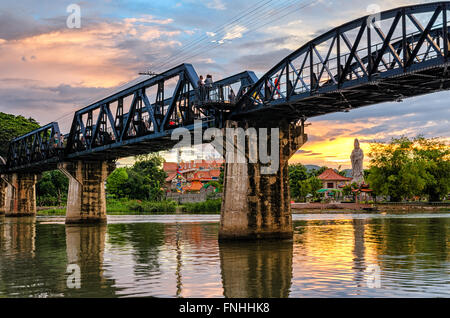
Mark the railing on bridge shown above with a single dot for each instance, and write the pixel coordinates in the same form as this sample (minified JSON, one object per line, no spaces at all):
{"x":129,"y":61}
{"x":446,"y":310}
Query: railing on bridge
{"x":42,"y":145}
{"x":225,"y":93}
{"x":403,"y":40}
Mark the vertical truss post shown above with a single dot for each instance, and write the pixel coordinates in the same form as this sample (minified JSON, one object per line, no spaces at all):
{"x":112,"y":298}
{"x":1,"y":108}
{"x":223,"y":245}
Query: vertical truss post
{"x":338,"y":55}
{"x":119,"y":117}
{"x":311,"y":71}
{"x":404,"y":41}
{"x":369,"y":51}
{"x":445,"y":30}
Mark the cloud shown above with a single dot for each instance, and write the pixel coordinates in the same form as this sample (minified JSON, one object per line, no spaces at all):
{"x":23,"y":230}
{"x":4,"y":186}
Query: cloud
{"x":234,"y":32}
{"x":215,"y":4}
{"x":101,"y":54}
{"x":314,"y":154}
{"x":14,"y":25}
{"x":44,"y":103}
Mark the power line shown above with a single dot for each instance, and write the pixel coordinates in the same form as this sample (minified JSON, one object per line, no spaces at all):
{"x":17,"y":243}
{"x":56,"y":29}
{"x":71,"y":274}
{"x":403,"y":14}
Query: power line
{"x":288,"y":8}
{"x":253,"y":14}
{"x":218,"y":29}
{"x":248,"y":23}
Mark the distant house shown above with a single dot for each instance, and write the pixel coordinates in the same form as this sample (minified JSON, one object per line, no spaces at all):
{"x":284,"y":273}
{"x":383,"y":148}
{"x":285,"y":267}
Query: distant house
{"x":193,"y":175}
{"x":333,"y":180}
{"x":194,"y":186}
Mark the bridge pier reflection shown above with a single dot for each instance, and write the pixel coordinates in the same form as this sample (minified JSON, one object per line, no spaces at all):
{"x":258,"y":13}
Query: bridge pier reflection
{"x":359,"y":252}
{"x":20,"y":194}
{"x":257,"y":205}
{"x":255,"y":269}
{"x":85,"y":245}
{"x":86,"y":200}
{"x":18,"y":235}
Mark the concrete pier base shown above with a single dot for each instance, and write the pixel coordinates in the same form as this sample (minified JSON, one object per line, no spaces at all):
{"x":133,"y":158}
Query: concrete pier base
{"x":86,"y":200}
{"x":21,"y":195}
{"x":256,"y":205}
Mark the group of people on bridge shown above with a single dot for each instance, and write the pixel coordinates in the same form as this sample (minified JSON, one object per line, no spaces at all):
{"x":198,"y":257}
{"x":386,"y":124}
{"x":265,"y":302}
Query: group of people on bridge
{"x":205,"y":87}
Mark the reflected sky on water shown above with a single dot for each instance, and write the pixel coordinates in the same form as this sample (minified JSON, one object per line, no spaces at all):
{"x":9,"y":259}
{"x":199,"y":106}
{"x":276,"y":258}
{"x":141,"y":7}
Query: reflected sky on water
{"x":179,"y":256}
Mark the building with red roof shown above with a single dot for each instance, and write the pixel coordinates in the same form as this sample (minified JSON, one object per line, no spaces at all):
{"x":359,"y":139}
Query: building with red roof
{"x":333,"y":180}
{"x":194,"y":186}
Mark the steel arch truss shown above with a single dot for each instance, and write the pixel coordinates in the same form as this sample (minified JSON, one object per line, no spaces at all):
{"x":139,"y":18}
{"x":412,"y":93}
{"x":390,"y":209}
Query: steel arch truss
{"x":403,"y":52}
{"x":134,"y":116}
{"x":41,"y":146}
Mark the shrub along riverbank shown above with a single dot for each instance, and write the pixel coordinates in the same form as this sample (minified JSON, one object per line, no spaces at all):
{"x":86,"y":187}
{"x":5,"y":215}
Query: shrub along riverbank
{"x":135,"y":207}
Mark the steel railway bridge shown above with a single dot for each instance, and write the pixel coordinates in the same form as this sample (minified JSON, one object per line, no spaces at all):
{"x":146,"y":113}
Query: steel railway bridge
{"x":401,"y":54}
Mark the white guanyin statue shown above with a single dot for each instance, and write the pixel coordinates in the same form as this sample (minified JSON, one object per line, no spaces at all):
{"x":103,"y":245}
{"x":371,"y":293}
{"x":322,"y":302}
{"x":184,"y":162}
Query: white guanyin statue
{"x":357,"y":158}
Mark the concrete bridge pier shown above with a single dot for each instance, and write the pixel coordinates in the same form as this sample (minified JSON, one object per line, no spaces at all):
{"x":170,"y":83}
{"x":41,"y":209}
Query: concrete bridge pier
{"x":3,"y":188}
{"x":20,"y":194}
{"x":256,"y":205}
{"x":86,"y":200}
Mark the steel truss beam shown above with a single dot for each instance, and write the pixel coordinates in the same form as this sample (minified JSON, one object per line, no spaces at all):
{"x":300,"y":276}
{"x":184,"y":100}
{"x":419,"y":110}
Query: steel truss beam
{"x":405,"y":41}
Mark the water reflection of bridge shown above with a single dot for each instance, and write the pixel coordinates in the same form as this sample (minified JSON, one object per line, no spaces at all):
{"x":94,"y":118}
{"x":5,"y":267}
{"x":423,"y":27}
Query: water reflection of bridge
{"x":246,"y":270}
{"x":185,"y":260}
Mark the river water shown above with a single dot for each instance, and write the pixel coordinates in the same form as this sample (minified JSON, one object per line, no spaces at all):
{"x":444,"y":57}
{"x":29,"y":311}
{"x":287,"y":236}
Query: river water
{"x":332,"y":255}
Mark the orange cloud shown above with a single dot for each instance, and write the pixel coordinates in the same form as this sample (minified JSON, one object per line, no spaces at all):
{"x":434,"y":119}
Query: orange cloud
{"x":83,"y":57}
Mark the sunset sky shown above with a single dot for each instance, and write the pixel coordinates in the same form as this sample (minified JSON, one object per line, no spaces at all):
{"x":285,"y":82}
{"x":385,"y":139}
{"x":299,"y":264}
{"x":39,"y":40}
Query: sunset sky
{"x":48,"y":70}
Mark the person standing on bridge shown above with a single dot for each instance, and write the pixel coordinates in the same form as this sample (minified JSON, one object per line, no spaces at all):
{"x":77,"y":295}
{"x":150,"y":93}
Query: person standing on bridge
{"x":201,"y":88}
{"x":231,"y":96}
{"x":55,"y":141}
{"x":208,"y":86}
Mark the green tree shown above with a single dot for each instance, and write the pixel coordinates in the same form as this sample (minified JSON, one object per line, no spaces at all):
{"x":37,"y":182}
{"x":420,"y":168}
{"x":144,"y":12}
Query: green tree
{"x":11,"y":127}
{"x":52,"y":188}
{"x":115,"y":184}
{"x":143,"y":181}
{"x":302,"y":183}
{"x":297,"y":173}
{"x":316,"y":184}
{"x":303,"y":189}
{"x":347,"y":190}
{"x":433,"y":156}
{"x":407,"y":167}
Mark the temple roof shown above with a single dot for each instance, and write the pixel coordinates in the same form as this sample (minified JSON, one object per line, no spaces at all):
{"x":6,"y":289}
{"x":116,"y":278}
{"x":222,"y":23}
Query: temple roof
{"x":331,"y":175}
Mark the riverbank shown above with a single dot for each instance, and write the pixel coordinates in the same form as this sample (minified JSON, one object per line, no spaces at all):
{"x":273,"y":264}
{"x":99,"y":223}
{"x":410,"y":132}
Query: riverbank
{"x":135,"y":207}
{"x":214,"y":206}
{"x":301,"y":208}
